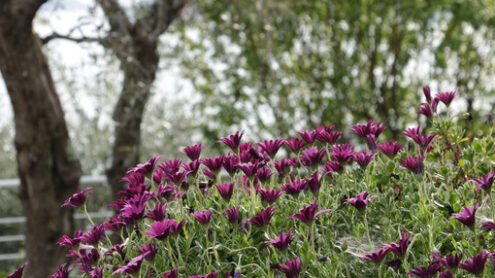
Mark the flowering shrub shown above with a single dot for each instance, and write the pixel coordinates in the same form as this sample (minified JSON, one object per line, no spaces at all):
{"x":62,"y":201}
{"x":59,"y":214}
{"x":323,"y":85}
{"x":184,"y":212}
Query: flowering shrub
{"x":320,"y":208}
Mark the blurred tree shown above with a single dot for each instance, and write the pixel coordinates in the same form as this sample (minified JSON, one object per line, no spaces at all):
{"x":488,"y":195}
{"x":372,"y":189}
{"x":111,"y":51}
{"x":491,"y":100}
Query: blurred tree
{"x":306,"y":63}
{"x":48,"y":171}
{"x":134,"y":41}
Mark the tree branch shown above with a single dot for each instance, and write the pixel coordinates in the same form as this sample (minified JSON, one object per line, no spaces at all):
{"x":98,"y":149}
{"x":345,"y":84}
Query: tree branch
{"x":55,"y":35}
{"x":116,"y":16}
{"x":161,"y":14}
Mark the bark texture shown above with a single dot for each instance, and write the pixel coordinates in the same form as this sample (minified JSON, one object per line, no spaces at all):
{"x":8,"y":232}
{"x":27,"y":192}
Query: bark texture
{"x":48,"y":171}
{"x":136,"y":46}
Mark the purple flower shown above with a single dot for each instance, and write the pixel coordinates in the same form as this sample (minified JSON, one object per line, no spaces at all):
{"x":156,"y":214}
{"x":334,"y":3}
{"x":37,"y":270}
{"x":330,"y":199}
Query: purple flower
{"x":399,"y":248}
{"x":97,"y":272}
{"x":295,"y":187}
{"x":263,"y":174}
{"x":269,"y":195}
{"x":312,"y":156}
{"x":232,"y":140}
{"x":213,"y":163}
{"x":148,"y":251}
{"x":162,"y":229}
{"x":342,"y":153}
{"x":145,"y":168}
{"x":113,"y":224}
{"x":428,"y":271}
{"x":230,"y":162}
{"x":424,"y":140}
{"x":451,"y":261}
{"x":203,"y":217}
{"x":172,"y":274}
{"x":263,"y":217}
{"x":171,"y":166}
{"x":209,"y":275}
{"x":308,"y":214}
{"x":193,"y":152}
{"x":291,"y":268}
{"x":413,"y":132}
{"x":232,"y":214}
{"x":371,"y":141}
{"x":66,"y":241}
{"x":446,"y":274}
{"x":165,"y":191}
{"x":176,"y":177}
{"x":425,"y":109}
{"x":250,"y":169}
{"x":294,"y":144}
{"x":85,"y":258}
{"x":133,"y":266}
{"x":360,"y":201}
{"x":281,"y":242}
{"x":485,"y":182}
{"x":134,"y":179}
{"x":446,"y":97}
{"x":467,"y":215}
{"x":271,"y":147}
{"x":377,"y":256}
{"x":490,"y":225}
{"x":308,"y":136}
{"x":390,"y":148}
{"x":134,"y":208}
{"x":328,"y":136}
{"x":369,"y":128}
{"x":314,"y":182}
{"x":62,"y":272}
{"x":157,"y":213}
{"x":18,"y":272}
{"x":363,"y":158}
{"x":94,"y":236}
{"x":78,"y":199}
{"x":332,"y":166}
{"x":225,"y":190}
{"x":427,"y":93}
{"x":476,"y":265}
{"x":415,"y":164}
{"x":281,"y":166}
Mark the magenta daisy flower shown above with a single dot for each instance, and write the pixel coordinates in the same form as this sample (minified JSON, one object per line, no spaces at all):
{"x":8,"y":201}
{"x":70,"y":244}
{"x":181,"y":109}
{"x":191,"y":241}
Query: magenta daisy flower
{"x":78,"y":199}
{"x":467,"y":215}
{"x":291,"y":268}
{"x":281,"y":242}
{"x":360,"y":201}
{"x":399,"y":248}
{"x":446,"y":97}
{"x":308,"y":214}
{"x":390,"y":148}
{"x":269,"y":195}
{"x":475,"y":265}
{"x":193,"y":152}
{"x":263,"y":217}
{"x":294,"y":144}
{"x":233,"y":140}
{"x":203,"y":217}
{"x":376,"y":256}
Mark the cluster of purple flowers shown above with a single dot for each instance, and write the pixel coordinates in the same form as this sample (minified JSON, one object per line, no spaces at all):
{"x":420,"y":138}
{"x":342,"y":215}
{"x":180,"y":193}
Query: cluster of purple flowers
{"x":152,"y":205}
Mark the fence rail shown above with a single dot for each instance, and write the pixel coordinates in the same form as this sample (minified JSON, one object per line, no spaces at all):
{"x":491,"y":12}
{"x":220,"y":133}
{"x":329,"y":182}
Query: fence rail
{"x":13,"y":183}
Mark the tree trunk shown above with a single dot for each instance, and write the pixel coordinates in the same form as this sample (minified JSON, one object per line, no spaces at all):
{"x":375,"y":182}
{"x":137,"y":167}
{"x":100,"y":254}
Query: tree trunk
{"x":128,"y":113}
{"x":48,"y":171}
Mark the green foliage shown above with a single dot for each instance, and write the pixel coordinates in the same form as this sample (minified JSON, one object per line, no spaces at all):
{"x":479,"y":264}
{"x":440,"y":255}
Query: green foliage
{"x":302,"y":63}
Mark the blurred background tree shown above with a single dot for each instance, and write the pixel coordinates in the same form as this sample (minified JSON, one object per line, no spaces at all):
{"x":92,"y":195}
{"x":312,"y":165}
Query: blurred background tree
{"x":275,"y":66}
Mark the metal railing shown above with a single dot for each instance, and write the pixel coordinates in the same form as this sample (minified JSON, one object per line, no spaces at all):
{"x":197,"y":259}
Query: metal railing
{"x":13,"y":183}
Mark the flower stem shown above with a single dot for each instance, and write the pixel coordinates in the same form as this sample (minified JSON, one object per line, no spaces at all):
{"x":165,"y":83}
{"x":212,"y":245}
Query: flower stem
{"x":85,"y":211}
